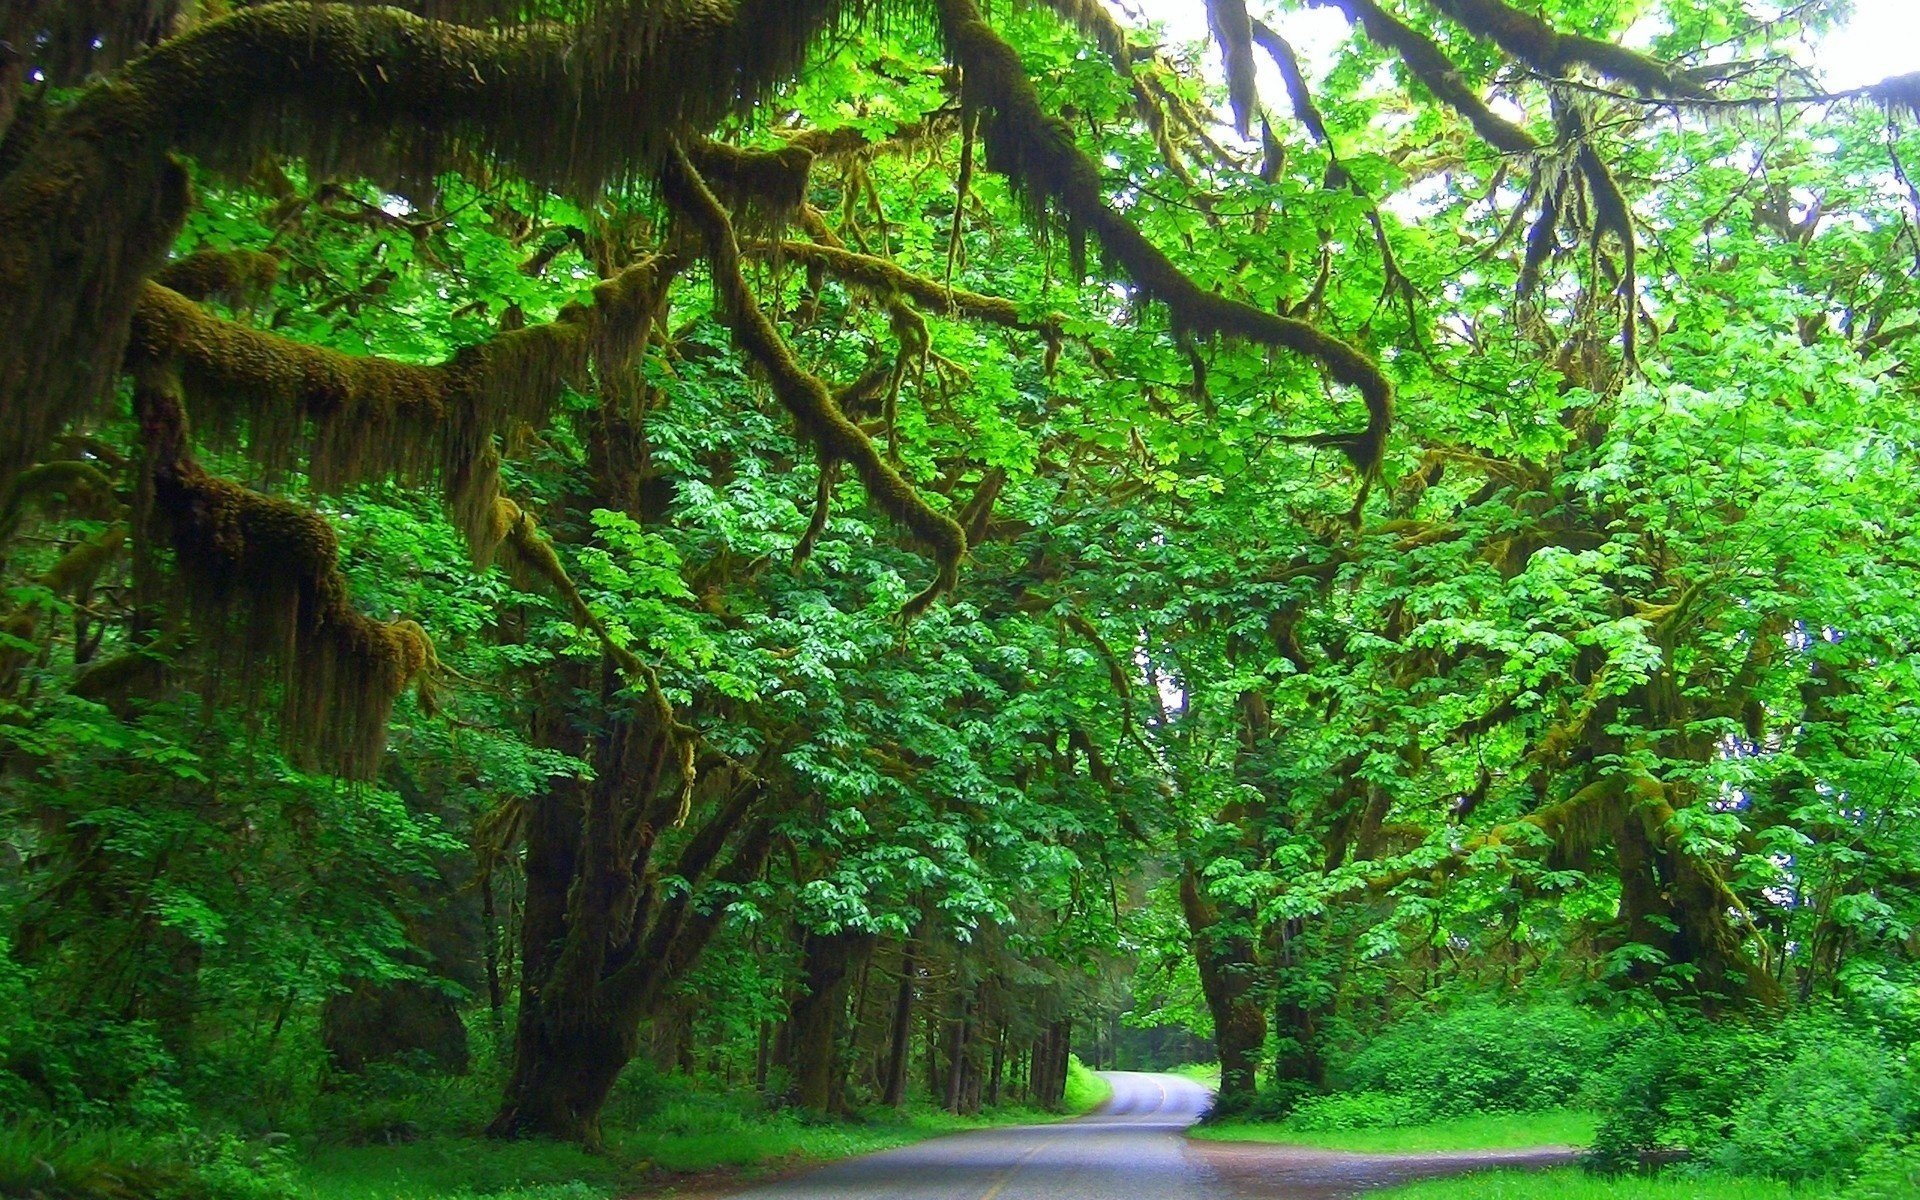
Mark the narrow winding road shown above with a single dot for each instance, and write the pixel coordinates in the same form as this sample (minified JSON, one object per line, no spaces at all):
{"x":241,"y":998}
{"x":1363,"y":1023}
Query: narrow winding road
{"x":1132,"y":1149}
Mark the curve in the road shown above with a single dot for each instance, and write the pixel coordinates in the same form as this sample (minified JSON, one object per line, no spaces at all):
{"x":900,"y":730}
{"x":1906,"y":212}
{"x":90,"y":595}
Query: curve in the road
{"x":1133,"y":1148}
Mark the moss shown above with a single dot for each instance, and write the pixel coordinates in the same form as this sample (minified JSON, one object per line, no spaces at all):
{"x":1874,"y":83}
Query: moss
{"x":96,"y":201}
{"x":350,"y":418}
{"x":236,"y":277}
{"x":1549,"y":51}
{"x":1039,"y":156}
{"x":804,"y":396}
{"x":259,"y":579}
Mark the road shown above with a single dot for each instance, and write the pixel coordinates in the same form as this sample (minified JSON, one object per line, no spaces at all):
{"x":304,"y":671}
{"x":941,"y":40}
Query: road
{"x":1132,"y":1149}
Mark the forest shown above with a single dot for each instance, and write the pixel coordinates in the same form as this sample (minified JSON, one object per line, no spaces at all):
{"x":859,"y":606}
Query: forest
{"x":601,"y":596}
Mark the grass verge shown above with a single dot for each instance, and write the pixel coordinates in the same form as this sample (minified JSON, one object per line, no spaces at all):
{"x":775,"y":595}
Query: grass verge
{"x":1485,"y":1131}
{"x":1202,"y":1073}
{"x":1574,"y":1184}
{"x":693,"y":1138}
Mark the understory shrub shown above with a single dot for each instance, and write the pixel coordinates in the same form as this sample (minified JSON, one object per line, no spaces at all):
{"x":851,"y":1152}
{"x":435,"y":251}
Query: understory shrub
{"x":1798,"y":1099}
{"x":1483,"y":1057}
{"x":1359,"y":1110}
{"x":1889,"y":1171}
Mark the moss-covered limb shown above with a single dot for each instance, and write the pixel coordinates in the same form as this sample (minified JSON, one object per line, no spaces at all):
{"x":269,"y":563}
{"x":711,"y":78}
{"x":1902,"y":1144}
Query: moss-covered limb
{"x":1611,"y":215}
{"x":771,"y":183}
{"x":847,"y":141}
{"x":352,"y":418}
{"x":1431,"y":66}
{"x":886,"y":278}
{"x":1233,"y":30}
{"x":977,"y":517}
{"x":89,"y":213}
{"x":532,"y":555}
{"x":1551,"y":52}
{"x":822,"y":508}
{"x":1038,"y":153}
{"x":260,"y":580}
{"x":813,"y":407}
{"x":1094,"y":19}
{"x":235,"y":276}
{"x":1305,"y":109}
{"x":1714,"y":923}
{"x":77,"y":482}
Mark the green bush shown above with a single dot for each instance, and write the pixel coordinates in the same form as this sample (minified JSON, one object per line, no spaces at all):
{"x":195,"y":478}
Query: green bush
{"x":1799,"y":1099}
{"x":85,"y":1164}
{"x":1359,"y":1110}
{"x":1817,"y":1116}
{"x":1484,"y":1057}
{"x":1889,"y":1171}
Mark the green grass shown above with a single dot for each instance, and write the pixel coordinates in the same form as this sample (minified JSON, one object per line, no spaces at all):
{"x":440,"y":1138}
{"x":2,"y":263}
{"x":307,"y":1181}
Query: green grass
{"x":1486,"y":1131}
{"x":1204,"y":1073}
{"x":1086,"y":1091}
{"x":1573,"y":1184}
{"x":688,"y":1134}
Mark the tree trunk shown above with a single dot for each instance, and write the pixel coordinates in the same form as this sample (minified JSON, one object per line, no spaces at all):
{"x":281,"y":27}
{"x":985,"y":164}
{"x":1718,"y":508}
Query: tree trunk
{"x":818,"y":1015}
{"x":902,"y":1044}
{"x":1225,"y":956}
{"x":562,"y":1076}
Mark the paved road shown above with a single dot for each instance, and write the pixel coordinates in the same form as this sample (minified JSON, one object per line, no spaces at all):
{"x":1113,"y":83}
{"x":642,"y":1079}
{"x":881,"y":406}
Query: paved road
{"x":1133,"y":1149}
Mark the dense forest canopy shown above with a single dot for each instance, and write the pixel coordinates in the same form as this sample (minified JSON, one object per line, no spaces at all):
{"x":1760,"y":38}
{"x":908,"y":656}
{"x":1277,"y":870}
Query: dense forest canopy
{"x":843,"y":544}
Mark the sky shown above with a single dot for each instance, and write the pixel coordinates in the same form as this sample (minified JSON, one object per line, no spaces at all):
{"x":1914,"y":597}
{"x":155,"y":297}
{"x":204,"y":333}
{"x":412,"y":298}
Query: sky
{"x":1881,"y":40}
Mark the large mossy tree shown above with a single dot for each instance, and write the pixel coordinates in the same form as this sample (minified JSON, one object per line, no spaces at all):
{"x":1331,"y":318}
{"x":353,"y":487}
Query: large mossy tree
{"x":889,"y":478}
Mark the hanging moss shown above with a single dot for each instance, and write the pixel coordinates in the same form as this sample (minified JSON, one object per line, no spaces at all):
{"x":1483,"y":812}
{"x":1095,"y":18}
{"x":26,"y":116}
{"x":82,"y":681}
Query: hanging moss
{"x":93,"y":206}
{"x":349,"y":418}
{"x":260,"y":581}
{"x":1039,"y":156}
{"x":1233,"y":30}
{"x":813,"y":407}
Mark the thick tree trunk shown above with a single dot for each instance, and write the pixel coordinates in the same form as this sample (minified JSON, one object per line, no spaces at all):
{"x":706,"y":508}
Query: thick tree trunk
{"x":1225,"y":956}
{"x":818,"y":1014}
{"x":562,"y":1076}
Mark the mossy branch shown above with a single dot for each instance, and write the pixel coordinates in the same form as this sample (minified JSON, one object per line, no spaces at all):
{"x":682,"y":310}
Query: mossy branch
{"x":89,"y":213}
{"x":352,"y":418}
{"x":884,"y":278}
{"x":812,"y":406}
{"x":1038,"y":153}
{"x":1431,"y":66}
{"x":1233,"y":30}
{"x":274,"y":566}
{"x":1545,"y":49}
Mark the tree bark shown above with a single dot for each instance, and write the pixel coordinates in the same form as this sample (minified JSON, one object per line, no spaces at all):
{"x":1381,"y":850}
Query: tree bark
{"x":1225,"y":954}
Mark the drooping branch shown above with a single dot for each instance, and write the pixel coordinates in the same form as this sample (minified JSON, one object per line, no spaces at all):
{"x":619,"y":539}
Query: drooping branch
{"x":1551,"y":52}
{"x":350,"y":418}
{"x":1431,"y":66}
{"x":1038,"y":154}
{"x":812,"y":406}
{"x":271,"y":570}
{"x":88,"y":214}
